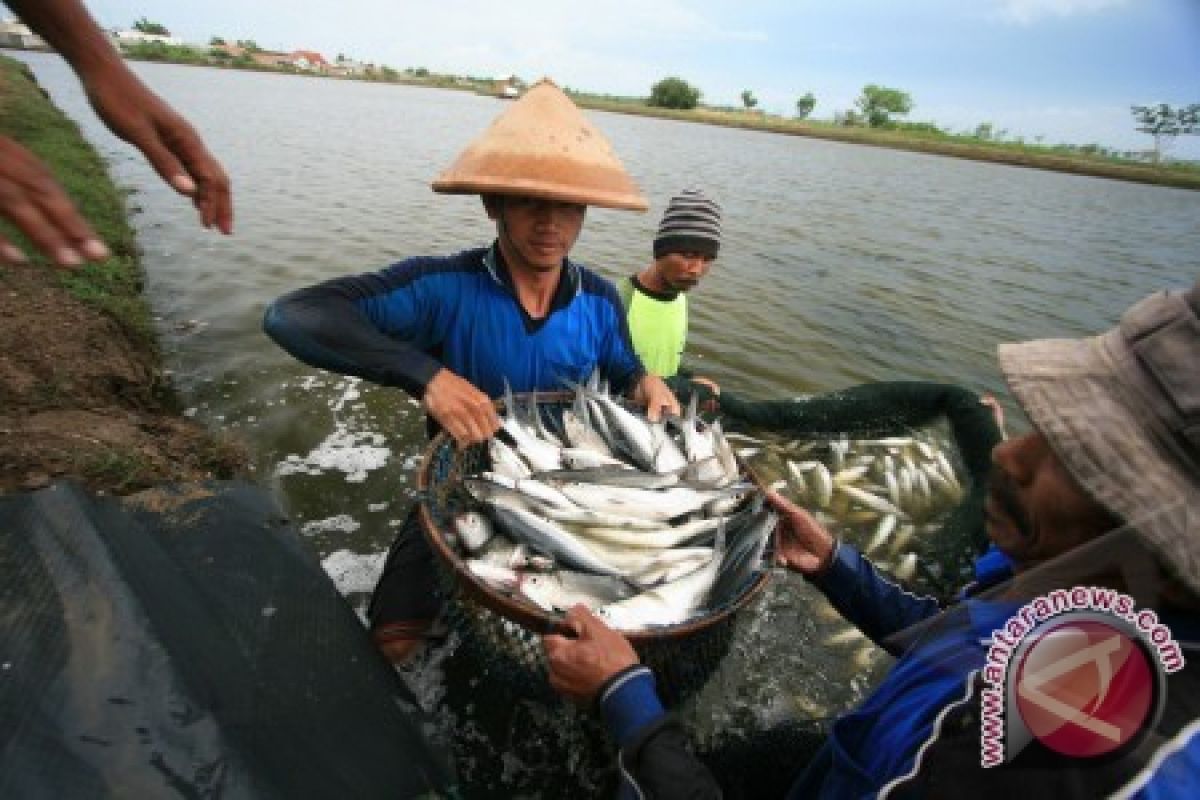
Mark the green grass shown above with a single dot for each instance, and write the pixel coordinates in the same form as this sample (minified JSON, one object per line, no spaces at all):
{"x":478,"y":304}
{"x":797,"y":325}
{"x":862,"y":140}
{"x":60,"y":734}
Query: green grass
{"x":123,"y":470}
{"x":114,"y":285}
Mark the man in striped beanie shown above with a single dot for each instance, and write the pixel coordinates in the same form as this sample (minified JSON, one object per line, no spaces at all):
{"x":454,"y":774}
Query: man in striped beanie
{"x":686,"y":245}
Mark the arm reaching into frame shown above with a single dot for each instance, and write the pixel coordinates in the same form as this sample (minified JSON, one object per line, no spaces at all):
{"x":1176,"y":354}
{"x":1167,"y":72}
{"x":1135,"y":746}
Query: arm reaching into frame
{"x":38,"y":206}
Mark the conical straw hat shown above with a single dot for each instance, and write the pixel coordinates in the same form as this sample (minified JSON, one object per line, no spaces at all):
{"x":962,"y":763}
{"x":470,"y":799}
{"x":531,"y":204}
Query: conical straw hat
{"x":543,"y":146}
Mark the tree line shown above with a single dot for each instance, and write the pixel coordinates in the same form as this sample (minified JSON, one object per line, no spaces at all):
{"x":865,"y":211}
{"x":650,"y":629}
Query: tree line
{"x":882,"y":106}
{"x":875,"y":106}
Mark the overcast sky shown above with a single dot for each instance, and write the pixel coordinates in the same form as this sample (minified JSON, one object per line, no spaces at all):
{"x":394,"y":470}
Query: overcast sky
{"x":1067,"y":70}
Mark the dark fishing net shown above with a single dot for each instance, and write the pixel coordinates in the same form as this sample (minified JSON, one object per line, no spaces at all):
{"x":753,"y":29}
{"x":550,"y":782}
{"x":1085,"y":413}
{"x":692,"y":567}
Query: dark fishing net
{"x":890,"y":409}
{"x":502,"y":635}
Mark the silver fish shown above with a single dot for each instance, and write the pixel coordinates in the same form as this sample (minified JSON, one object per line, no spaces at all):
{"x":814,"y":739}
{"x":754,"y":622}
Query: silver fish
{"x":743,"y":556}
{"x":668,"y":603}
{"x":725,"y":455}
{"x":578,"y":429}
{"x":531,"y":487}
{"x":538,"y":424}
{"x":887,"y":524}
{"x":609,"y":475}
{"x":696,"y":445}
{"x":539,"y":454}
{"x":550,"y":538}
{"x":692,"y":532}
{"x":630,"y":430}
{"x":587,"y":458}
{"x":563,"y":589}
{"x":503,"y":579}
{"x":474,"y":530}
{"x":506,"y":461}
{"x":660,"y":504}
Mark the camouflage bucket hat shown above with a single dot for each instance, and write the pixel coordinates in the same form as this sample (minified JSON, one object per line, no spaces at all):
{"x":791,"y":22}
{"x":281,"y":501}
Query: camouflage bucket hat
{"x":1122,"y":412}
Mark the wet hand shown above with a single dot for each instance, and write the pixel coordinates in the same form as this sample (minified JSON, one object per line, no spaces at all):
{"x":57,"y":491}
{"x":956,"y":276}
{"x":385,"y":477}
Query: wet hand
{"x":168,"y":142}
{"x":34,"y":202}
{"x":657,"y":396}
{"x":579,"y":666}
{"x":801,"y":543}
{"x":463,"y":411}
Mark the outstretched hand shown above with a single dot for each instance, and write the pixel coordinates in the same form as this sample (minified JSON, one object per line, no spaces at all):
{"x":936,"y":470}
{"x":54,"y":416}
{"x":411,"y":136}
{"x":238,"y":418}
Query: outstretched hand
{"x":37,"y":205}
{"x":801,"y":543}
{"x":463,"y":411}
{"x":580,"y":666}
{"x":170,"y":144}
{"x":659,"y":399}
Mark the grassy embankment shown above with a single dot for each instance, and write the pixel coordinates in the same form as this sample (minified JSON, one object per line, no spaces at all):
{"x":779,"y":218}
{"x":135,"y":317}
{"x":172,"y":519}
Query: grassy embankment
{"x":82,"y":391}
{"x":113,"y":286}
{"x":1183,"y":176}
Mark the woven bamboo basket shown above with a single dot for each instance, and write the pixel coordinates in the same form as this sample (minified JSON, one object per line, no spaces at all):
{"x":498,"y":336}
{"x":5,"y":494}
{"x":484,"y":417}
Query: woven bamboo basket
{"x":502,"y":633}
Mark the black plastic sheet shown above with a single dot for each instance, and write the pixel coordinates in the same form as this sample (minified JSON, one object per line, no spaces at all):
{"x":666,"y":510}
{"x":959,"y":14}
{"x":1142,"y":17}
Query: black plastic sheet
{"x":183,"y":643}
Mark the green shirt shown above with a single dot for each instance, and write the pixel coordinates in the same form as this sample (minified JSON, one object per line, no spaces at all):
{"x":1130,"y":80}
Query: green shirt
{"x":657,"y":324}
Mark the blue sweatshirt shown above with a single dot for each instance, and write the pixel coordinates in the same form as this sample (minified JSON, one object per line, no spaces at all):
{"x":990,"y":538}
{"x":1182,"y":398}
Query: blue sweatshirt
{"x":877,"y":740}
{"x":890,"y":743}
{"x":398,"y":327}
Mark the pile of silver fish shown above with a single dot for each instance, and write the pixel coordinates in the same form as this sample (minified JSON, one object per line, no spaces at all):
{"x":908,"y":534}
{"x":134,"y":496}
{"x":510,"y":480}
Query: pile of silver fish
{"x":877,"y":493}
{"x":647,"y":524}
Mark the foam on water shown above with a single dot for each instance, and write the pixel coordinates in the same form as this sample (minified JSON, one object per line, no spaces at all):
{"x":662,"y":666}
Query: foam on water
{"x":354,"y":573}
{"x":344,"y":450}
{"x":343,"y":523}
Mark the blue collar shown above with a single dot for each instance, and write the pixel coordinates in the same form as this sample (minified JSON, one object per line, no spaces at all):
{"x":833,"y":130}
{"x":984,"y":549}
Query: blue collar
{"x":569,"y":282}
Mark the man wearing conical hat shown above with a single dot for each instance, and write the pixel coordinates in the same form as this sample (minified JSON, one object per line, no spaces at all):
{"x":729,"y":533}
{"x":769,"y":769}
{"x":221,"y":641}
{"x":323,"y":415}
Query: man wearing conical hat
{"x":453,"y":331}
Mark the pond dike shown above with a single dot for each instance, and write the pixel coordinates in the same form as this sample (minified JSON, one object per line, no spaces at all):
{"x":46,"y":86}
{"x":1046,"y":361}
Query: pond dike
{"x":83,"y":394}
{"x":164,"y":633}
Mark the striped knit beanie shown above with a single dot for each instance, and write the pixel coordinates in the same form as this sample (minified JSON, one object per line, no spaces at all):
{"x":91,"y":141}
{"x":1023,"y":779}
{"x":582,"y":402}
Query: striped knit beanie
{"x":691,"y":224}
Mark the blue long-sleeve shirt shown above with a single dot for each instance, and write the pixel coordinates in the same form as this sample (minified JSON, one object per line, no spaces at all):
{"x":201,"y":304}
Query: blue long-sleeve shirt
{"x":886,"y":746}
{"x":398,"y":327}
{"x":861,"y":753}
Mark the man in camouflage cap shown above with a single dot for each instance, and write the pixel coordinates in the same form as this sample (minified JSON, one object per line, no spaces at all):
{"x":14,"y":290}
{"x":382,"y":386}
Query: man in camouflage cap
{"x":1103,"y":492}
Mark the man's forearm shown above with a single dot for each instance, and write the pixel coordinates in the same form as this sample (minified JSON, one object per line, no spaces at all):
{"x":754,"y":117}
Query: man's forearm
{"x":654,"y":759}
{"x":874,"y":604}
{"x":67,"y":26}
{"x":322,"y":327}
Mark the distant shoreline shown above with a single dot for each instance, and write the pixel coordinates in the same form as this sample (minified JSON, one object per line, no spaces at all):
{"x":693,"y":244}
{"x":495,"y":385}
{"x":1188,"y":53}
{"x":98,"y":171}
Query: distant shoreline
{"x":1175,"y":176}
{"x":1179,"y":176}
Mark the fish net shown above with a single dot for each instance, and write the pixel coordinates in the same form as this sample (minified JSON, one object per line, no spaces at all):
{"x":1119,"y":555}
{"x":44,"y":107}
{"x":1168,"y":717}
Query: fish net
{"x":939,"y":418}
{"x":501,"y":634}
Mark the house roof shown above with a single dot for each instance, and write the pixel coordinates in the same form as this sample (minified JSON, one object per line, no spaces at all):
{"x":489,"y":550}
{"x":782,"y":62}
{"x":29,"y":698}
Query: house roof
{"x":310,"y":56}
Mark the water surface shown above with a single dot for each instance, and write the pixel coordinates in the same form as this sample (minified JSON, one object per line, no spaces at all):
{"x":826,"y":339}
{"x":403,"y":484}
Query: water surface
{"x":841,"y":264}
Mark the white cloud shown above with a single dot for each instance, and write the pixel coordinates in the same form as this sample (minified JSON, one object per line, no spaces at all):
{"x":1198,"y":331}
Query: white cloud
{"x":1025,"y":12}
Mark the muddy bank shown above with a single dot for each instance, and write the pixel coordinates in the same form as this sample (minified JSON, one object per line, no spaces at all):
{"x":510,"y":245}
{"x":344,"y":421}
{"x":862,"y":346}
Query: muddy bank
{"x":82,"y":391}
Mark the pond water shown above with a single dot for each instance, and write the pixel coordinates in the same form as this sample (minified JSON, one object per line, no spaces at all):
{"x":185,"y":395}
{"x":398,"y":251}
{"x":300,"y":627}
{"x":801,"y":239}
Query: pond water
{"x":841,"y":264}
